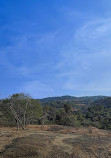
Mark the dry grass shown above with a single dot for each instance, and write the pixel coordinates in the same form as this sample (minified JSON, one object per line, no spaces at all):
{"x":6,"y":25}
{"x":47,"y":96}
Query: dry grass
{"x":53,"y":141}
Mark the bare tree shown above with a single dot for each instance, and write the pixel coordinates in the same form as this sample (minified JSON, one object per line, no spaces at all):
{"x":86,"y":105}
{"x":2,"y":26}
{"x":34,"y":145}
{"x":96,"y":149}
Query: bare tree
{"x":22,"y":110}
{"x":19,"y":105}
{"x":26,"y":107}
{"x":16,"y":116}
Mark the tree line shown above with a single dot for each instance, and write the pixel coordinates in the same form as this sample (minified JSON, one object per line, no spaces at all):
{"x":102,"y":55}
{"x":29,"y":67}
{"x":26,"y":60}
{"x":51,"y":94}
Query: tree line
{"x":21,"y":109}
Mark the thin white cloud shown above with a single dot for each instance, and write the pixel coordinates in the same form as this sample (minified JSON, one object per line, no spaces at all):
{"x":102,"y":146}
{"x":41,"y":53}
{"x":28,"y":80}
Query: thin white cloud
{"x":85,"y":59}
{"x":86,"y":62}
{"x":26,"y":55}
{"x":93,"y":30}
{"x":37,"y":89}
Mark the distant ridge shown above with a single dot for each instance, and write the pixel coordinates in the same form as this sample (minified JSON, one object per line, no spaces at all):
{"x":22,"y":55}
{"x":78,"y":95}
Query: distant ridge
{"x":72,"y":98}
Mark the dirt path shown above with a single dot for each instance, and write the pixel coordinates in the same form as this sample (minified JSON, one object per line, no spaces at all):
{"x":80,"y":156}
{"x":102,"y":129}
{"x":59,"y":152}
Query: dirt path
{"x":7,"y":135}
{"x":55,"y":143}
{"x":59,"y":141}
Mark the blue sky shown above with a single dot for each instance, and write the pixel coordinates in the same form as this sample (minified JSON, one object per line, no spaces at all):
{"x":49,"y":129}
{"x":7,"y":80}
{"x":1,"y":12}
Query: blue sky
{"x":55,"y":47}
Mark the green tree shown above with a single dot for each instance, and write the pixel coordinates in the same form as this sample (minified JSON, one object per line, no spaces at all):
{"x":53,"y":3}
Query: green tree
{"x":20,"y":109}
{"x":67,"y":108}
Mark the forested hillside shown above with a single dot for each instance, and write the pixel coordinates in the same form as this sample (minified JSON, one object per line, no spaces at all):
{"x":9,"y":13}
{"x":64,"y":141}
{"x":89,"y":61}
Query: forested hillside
{"x":100,"y":113}
{"x":72,"y":98}
{"x":78,"y":103}
{"x":21,"y":109}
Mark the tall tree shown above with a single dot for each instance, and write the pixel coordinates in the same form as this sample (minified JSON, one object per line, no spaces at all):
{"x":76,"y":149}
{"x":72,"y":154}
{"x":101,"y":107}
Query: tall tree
{"x":67,"y":108}
{"x":21,"y":108}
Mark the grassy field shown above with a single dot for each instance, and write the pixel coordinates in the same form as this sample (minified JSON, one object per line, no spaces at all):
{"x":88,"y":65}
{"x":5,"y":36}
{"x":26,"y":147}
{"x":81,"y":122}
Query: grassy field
{"x":51,"y":141}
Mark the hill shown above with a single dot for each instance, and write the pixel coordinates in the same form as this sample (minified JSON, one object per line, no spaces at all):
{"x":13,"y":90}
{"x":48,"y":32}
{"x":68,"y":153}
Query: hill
{"x":79,"y":103}
{"x":100,"y":113}
{"x":65,"y":110}
{"x":72,"y":98}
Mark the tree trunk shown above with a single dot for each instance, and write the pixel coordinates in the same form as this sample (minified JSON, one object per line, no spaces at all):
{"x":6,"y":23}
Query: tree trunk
{"x":18,"y":126}
{"x":25,"y":113}
{"x":16,"y":116}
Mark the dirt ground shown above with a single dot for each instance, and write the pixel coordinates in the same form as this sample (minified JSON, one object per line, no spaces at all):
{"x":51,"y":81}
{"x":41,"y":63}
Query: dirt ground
{"x":53,"y":141}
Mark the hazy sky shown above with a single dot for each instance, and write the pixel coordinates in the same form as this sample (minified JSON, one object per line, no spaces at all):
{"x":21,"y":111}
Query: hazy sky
{"x":55,"y":47}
